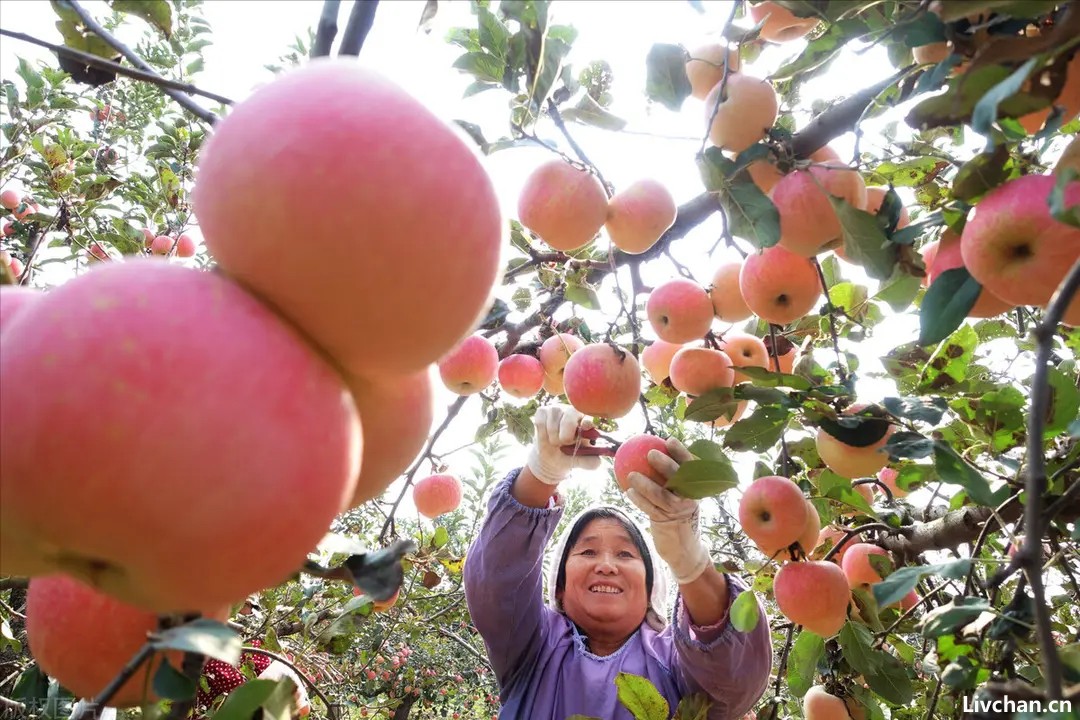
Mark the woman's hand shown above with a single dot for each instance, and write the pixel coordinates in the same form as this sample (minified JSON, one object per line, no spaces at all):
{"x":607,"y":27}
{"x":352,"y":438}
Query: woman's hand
{"x":674,"y":519}
{"x":556,"y":426}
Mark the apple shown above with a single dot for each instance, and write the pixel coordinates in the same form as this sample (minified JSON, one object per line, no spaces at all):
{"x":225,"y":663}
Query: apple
{"x":656,"y":358}
{"x":679,"y":311}
{"x":811,"y":533}
{"x":773,"y":513}
{"x":437,"y":494}
{"x":9,"y":199}
{"x":13,"y":298}
{"x":766,"y":174}
{"x":947,"y":255}
{"x":745,"y":350}
{"x":602,"y":380}
{"x":521,"y":376}
{"x":406,"y":244}
{"x":932,"y":53}
{"x":875,"y":196}
{"x":779,"y":286}
{"x":853,"y":461}
{"x":16,"y":266}
{"x":398,"y":411}
{"x":470,"y":366}
{"x":820,"y":704}
{"x":828,"y":538}
{"x":562,"y":204}
{"x":813,"y":594}
{"x":808,"y":222}
{"x":696,"y":371}
{"x":725,"y":420}
{"x":887,"y":477}
{"x":554,"y":352}
{"x":632,"y":456}
{"x":781,"y":25}
{"x":185,"y":246}
{"x":1013,"y":246}
{"x":705,"y":68}
{"x":1068,"y":99}
{"x":909,"y":601}
{"x":161,"y":460}
{"x":377,"y":606}
{"x":638,"y":215}
{"x":748,"y":110}
{"x":856,"y":564}
{"x":727,"y":300}
{"x":84,"y":638}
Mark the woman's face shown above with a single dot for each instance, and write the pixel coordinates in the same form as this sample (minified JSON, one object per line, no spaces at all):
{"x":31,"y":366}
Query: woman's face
{"x":605,"y":581}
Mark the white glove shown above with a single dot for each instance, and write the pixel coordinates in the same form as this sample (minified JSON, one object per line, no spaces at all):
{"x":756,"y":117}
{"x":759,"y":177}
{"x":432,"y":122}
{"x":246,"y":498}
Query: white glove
{"x":278,"y":670}
{"x":557,"y":425}
{"x":674,"y":519}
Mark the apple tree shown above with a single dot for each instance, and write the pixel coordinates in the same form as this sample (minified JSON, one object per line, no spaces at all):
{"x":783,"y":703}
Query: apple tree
{"x":870,"y":303}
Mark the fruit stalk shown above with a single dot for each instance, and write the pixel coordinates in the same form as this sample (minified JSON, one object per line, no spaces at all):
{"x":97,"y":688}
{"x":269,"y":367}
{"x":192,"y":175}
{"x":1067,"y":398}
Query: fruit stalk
{"x":361,"y":19}
{"x":324,"y":36}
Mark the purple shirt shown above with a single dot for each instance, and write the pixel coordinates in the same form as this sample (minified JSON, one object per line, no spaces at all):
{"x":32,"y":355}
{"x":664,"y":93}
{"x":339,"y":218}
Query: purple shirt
{"x":539,"y":657}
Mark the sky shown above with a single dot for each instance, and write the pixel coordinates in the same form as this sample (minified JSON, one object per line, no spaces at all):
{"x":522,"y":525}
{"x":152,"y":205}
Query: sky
{"x":662,"y":144}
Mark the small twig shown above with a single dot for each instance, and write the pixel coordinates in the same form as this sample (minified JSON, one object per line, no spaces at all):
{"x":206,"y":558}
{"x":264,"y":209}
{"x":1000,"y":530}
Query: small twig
{"x":361,"y":19}
{"x":330,"y":709}
{"x":781,"y":669}
{"x":556,"y":117}
{"x":831,"y":310}
{"x":324,"y":36}
{"x":103,"y":698}
{"x":105,"y":64}
{"x":721,"y":96}
{"x":181,"y":99}
{"x":451,"y":413}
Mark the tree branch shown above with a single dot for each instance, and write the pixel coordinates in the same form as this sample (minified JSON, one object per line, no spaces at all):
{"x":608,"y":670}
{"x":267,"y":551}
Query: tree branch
{"x":361,"y":19}
{"x":105,"y":64}
{"x":324,"y":36}
{"x":181,"y":99}
{"x":1030,"y":553}
{"x":840,"y":118}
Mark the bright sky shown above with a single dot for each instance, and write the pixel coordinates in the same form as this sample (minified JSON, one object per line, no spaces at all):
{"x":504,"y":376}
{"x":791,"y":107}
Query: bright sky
{"x":249,"y":35}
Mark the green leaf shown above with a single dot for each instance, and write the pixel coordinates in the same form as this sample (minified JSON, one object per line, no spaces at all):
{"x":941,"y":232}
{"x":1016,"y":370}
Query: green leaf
{"x":950,"y":362}
{"x":890,"y":680}
{"x":699,"y":479}
{"x":899,"y":290}
{"x":865,"y":242}
{"x":707,"y":450}
{"x":956,"y":105}
{"x":820,"y":50}
{"x":947,"y":302}
{"x":946,"y":619}
{"x":494,"y":37}
{"x":805,"y":653}
{"x":271,"y":695}
{"x":693,"y":707}
{"x":911,"y":445}
{"x":763,"y":377}
{"x":1064,"y":403}
{"x":1068,"y":214}
{"x":589,"y":112}
{"x":641,"y":697}
{"x":759,"y":432}
{"x":952,"y":469}
{"x":912,"y":172}
{"x":927,"y":411}
{"x":665,"y":79}
{"x":985,"y":112}
{"x":171,"y":684}
{"x":750,"y":212}
{"x":204,"y":637}
{"x":156,"y":12}
{"x":902,"y":581}
{"x":582,"y":295}
{"x":982,"y":173}
{"x":855,"y":640}
{"x":719,"y":402}
{"x":441,"y":537}
{"x":482,"y":65}
{"x":744,"y":612}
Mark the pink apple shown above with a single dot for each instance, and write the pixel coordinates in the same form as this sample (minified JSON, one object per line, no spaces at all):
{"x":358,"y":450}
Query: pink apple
{"x":679,"y":311}
{"x":470,"y":366}
{"x":521,"y":376}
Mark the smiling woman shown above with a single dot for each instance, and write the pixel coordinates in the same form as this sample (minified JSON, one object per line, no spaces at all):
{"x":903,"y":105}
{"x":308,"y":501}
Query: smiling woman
{"x":606,"y":610}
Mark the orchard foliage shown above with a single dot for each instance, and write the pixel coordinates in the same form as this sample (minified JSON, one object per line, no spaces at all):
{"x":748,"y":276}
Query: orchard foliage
{"x":949,"y":502}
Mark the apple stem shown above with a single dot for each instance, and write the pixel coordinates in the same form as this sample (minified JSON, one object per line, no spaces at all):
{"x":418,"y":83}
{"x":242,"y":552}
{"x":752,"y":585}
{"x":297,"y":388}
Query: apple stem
{"x":831,"y":310}
{"x":324,"y":37}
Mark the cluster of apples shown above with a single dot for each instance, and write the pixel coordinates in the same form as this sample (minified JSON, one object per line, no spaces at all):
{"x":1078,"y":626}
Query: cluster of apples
{"x":19,"y":208}
{"x":294,"y":383}
{"x":816,"y":594}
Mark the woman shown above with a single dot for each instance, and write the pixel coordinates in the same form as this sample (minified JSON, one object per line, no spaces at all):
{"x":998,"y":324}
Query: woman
{"x":605,"y":610}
